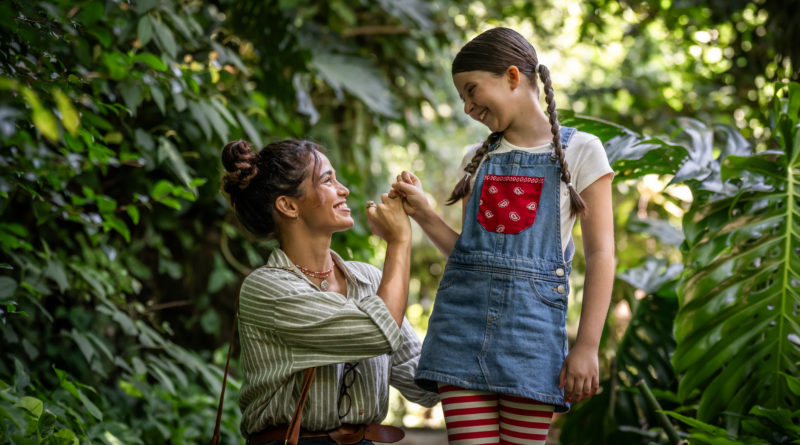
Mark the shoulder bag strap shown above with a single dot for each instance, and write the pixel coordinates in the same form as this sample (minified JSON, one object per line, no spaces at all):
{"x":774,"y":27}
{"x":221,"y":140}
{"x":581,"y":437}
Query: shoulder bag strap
{"x":215,"y":437}
{"x":293,"y":431}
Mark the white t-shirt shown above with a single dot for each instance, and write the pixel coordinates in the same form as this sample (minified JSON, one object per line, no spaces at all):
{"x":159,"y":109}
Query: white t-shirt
{"x":587,"y":163}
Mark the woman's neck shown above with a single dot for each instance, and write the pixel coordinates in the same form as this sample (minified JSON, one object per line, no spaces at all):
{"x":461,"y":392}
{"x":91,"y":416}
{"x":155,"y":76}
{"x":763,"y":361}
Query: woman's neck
{"x":312,"y":253}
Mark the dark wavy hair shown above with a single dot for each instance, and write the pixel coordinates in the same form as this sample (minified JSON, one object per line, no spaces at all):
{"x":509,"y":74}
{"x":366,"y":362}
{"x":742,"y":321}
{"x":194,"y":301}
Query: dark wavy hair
{"x":494,"y":51}
{"x":252,"y":181}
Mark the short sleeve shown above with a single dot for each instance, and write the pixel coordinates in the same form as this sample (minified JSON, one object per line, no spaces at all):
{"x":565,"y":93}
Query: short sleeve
{"x":589,"y":161}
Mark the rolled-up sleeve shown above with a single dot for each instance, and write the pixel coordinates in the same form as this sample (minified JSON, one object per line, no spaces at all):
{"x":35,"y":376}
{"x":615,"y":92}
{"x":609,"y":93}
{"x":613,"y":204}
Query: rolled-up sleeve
{"x":316,"y":322}
{"x":404,"y":367}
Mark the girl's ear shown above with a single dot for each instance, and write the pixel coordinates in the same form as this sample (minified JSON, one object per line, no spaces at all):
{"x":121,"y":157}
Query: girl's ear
{"x":513,"y":76}
{"x":287,"y":207}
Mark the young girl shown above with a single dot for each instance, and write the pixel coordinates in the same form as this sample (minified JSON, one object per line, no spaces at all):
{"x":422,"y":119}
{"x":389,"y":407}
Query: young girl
{"x":496,"y":347}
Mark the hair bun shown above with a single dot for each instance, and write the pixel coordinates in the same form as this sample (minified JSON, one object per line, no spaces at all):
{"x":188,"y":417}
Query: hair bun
{"x":239,"y":161}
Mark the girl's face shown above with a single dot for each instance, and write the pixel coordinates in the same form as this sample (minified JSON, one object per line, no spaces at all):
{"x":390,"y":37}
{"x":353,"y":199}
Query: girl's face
{"x":323,"y":206}
{"x":487,"y":98}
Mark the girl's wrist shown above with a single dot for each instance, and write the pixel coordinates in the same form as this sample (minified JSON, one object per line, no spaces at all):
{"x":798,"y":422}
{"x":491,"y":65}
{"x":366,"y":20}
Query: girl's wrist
{"x":586,"y":345}
{"x":423,"y":215}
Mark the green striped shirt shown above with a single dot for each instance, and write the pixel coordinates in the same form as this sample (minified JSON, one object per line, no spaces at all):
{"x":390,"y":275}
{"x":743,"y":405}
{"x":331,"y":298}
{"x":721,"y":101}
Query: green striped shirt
{"x":286,"y":324}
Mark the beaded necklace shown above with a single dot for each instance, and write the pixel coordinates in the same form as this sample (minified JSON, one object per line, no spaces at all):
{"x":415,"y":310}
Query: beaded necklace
{"x":318,"y":275}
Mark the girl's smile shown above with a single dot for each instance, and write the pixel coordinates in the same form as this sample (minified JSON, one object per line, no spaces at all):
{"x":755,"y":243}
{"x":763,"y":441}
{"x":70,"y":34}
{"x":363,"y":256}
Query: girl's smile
{"x":486,"y":97}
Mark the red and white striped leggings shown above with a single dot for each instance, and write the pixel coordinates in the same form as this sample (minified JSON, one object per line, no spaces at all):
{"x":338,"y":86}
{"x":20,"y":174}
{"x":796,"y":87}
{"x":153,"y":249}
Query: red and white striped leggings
{"x":486,"y":418}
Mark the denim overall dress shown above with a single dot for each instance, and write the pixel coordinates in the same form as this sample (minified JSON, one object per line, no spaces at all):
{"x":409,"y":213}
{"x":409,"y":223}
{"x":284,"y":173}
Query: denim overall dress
{"x":499,"y":319}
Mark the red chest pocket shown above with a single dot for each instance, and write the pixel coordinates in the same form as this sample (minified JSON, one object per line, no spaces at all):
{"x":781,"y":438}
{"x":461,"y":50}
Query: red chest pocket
{"x":509,"y":203}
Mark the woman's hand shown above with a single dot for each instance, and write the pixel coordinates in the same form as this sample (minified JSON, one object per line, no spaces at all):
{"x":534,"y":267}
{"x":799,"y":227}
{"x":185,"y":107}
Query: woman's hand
{"x":388,"y":220}
{"x":409,"y":187}
{"x":579,"y":376}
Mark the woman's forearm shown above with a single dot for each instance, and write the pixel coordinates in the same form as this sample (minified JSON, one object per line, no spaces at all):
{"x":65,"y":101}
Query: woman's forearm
{"x":393,"y":288}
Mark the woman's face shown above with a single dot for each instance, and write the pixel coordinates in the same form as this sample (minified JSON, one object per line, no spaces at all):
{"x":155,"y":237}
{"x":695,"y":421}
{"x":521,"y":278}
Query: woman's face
{"x":323,"y":206}
{"x":486,"y":97}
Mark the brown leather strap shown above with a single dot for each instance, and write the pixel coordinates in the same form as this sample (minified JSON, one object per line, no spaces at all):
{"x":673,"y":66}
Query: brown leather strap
{"x":215,"y":437}
{"x":293,"y":431}
{"x":348,"y":434}
{"x":345,"y":434}
{"x":384,"y":433}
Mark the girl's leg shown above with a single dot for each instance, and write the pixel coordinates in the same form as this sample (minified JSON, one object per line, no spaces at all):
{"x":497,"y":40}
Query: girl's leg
{"x":471,"y":417}
{"x":524,"y":421}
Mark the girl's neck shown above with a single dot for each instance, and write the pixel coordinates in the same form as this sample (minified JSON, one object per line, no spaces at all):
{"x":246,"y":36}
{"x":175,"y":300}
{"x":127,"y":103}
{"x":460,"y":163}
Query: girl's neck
{"x":530,"y":129}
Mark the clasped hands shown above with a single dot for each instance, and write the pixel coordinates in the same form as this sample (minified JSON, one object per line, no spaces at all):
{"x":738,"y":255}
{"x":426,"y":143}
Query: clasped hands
{"x":388,"y":219}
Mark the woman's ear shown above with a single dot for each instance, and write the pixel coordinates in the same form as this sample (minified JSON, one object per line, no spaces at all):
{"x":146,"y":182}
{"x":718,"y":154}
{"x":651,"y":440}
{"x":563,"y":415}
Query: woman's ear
{"x":513,"y":76}
{"x":287,"y":207}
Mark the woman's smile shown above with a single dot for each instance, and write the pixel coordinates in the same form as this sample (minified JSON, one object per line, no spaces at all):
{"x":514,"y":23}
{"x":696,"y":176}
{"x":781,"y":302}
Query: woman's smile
{"x":342,"y":207}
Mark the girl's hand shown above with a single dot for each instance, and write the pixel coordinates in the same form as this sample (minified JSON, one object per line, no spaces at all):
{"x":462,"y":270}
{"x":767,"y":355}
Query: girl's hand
{"x":409,"y":187}
{"x":388,"y":220}
{"x":579,"y":376}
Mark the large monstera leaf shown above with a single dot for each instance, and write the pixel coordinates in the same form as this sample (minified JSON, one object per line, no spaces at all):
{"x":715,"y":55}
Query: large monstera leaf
{"x":738,"y":327}
{"x":631,"y":155}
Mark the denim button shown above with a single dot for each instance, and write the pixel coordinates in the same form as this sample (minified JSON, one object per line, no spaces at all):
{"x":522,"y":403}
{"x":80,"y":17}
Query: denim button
{"x":560,"y":272}
{"x":561,"y":289}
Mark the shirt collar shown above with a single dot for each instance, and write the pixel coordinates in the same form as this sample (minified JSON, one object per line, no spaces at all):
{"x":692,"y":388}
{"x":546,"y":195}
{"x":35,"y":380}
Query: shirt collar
{"x":278,"y":258}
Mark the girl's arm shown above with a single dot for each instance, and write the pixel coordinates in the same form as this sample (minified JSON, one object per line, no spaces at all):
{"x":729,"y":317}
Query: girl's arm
{"x":579,"y":375}
{"x":417,"y":206}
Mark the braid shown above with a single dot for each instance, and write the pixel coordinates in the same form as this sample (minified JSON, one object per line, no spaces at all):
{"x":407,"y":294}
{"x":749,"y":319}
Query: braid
{"x":577,"y":206}
{"x":462,"y":188}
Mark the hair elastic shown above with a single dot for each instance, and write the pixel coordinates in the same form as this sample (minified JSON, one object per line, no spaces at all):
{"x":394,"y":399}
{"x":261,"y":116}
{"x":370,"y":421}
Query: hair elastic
{"x":536,"y":68}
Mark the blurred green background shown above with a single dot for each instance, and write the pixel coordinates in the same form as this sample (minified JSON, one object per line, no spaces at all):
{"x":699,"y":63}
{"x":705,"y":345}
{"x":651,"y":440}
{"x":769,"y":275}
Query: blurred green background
{"x":120,"y":261}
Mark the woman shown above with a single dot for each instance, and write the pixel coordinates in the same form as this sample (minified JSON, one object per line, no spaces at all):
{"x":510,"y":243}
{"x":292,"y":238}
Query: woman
{"x":308,"y":308}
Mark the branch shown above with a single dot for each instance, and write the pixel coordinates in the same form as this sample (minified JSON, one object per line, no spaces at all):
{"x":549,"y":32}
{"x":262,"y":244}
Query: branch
{"x":375,"y":30}
{"x":169,"y":304}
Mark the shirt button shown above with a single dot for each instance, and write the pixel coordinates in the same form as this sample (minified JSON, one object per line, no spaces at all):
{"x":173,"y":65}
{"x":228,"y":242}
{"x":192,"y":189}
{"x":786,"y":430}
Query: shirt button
{"x":561,"y":289}
{"x":560,"y":272}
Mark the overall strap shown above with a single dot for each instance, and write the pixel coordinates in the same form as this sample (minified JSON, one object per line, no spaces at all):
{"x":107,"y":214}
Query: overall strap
{"x":566,"y":135}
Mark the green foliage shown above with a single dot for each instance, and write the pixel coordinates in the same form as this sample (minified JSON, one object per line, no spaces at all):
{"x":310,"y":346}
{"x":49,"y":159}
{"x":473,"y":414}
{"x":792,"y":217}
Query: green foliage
{"x":720,"y":61}
{"x":737,"y":329}
{"x":105,"y":122}
{"x":760,"y":425}
{"x":118,"y":256}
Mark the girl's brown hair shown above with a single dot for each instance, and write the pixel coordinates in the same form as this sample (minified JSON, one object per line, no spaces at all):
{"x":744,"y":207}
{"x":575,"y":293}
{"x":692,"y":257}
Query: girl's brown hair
{"x":494,"y":51}
{"x":252,"y":181}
